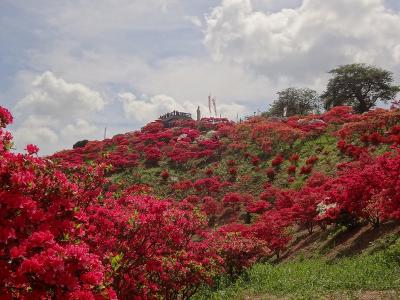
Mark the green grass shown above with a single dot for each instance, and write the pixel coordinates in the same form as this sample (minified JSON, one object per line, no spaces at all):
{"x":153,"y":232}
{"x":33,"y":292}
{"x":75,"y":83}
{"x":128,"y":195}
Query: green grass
{"x":310,"y":279}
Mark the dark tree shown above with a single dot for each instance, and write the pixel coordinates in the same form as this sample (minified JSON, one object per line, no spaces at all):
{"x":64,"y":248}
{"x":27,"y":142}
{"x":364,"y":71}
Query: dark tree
{"x":360,"y":86}
{"x":80,"y":144}
{"x":297,"y":101}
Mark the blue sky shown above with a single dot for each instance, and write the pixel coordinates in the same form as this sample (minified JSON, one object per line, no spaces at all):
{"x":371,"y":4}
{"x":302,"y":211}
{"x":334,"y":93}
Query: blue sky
{"x":70,"y":68}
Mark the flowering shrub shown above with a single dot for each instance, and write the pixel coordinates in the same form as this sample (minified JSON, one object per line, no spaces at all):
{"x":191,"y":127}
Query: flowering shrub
{"x":304,"y":210}
{"x":32,"y":149}
{"x":277,"y":161}
{"x":5,"y":117}
{"x":339,"y":115}
{"x":294,"y":158}
{"x":209,"y":186}
{"x":258,"y":207}
{"x":270,"y":227}
{"x":164,"y":175}
{"x":255,"y":160}
{"x":271,"y":173}
{"x":233,"y":173}
{"x":209,"y":172}
{"x":40,"y":253}
{"x":152,"y":247}
{"x":311,"y":160}
{"x":153,"y":155}
{"x":291,"y":169}
{"x":306,"y":169}
{"x":210,"y":206}
{"x":239,"y":247}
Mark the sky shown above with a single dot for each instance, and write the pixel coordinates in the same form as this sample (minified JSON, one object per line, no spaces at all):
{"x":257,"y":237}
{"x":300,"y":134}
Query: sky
{"x":70,"y":68}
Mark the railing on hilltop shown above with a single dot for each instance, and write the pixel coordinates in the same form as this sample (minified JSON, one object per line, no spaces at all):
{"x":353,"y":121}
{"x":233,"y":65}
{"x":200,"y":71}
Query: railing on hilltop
{"x":175,"y":114}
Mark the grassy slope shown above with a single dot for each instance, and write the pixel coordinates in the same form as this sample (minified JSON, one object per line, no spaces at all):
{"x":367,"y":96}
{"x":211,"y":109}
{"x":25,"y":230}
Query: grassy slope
{"x":323,"y":146}
{"x":377,"y":269}
{"x":309,"y":278}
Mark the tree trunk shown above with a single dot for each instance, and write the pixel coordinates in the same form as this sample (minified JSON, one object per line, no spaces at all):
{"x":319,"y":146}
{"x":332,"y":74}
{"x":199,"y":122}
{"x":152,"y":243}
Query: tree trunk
{"x":362,"y":106}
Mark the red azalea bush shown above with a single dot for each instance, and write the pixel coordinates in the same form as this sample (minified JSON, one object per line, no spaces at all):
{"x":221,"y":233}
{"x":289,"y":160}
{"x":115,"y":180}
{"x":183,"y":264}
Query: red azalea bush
{"x":291,"y":170}
{"x":271,"y":228}
{"x":311,"y":160}
{"x":41,"y":254}
{"x":209,"y":172}
{"x":255,"y":160}
{"x":304,"y":210}
{"x":271,"y":173}
{"x":164,"y":175}
{"x":236,"y":200}
{"x":209,"y":186}
{"x":233,"y":172}
{"x":294,"y":158}
{"x":239,"y":247}
{"x":277,"y":161}
{"x":210,"y":206}
{"x":369,"y":190}
{"x":306,"y":169}
{"x":339,"y":115}
{"x":151,"y":244}
{"x":153,"y":155}
{"x":258,"y":207}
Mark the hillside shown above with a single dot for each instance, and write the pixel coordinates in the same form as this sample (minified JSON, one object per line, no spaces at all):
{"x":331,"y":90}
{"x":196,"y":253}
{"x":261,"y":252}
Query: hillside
{"x":166,"y":211}
{"x":248,"y":168}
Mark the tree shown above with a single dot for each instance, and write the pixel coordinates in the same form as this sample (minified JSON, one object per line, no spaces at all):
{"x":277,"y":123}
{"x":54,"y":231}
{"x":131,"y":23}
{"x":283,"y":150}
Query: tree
{"x":298,"y":101}
{"x":80,"y":144}
{"x":360,"y":86}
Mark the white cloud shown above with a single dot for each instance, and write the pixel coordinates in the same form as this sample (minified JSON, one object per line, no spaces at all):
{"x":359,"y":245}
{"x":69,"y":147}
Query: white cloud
{"x":55,"y":114}
{"x":96,"y":68}
{"x":88,"y":19}
{"x":40,"y":135}
{"x":396,"y":54}
{"x":195,"y":20}
{"x":232,"y":111}
{"x":145,"y":110}
{"x":81,"y":129}
{"x":193,"y":79}
{"x":148,"y":109}
{"x":304,"y":41}
{"x":58,"y":98}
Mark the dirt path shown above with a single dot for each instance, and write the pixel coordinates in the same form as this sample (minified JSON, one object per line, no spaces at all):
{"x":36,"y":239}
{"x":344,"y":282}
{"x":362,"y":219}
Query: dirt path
{"x":362,"y":295}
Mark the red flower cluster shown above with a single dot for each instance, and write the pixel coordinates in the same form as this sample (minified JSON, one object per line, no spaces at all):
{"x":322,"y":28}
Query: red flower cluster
{"x":277,"y":161}
{"x":5,"y":117}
